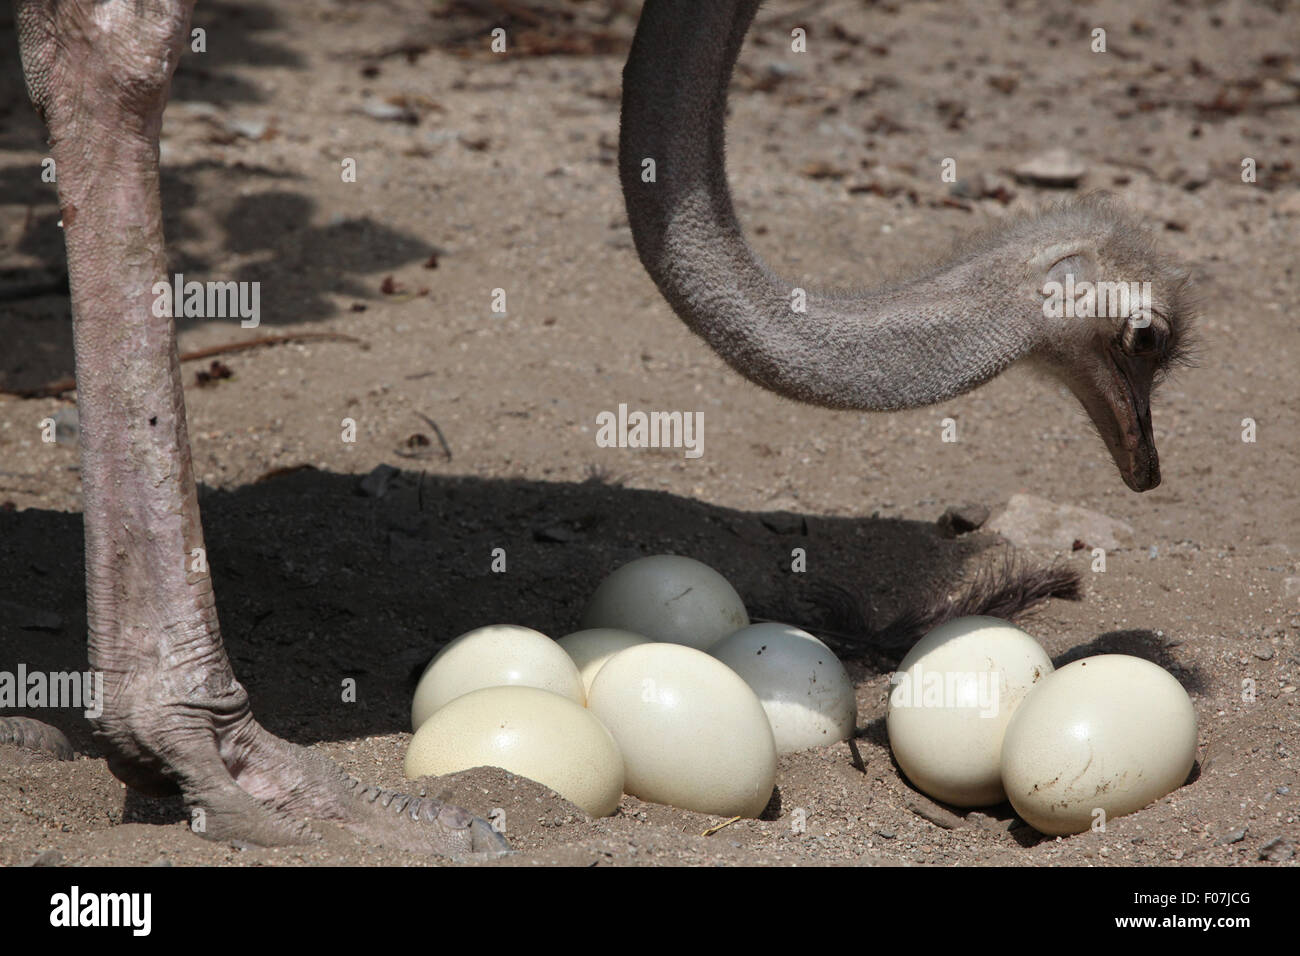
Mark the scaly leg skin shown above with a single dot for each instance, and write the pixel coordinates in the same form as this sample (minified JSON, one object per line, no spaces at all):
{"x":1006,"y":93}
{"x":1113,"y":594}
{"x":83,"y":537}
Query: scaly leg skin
{"x":174,"y":714}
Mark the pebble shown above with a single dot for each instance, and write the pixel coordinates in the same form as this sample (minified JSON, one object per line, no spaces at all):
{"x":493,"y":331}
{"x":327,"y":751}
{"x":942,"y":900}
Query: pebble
{"x":375,"y":484}
{"x":381,"y":110}
{"x":249,"y":129}
{"x":785,"y":523}
{"x":1029,"y":521}
{"x":1056,"y":168}
{"x":962,"y":519}
{"x":1232,"y":836}
{"x":1277,"y":850}
{"x":30,"y":618}
{"x":1289,"y":205}
{"x":46,"y":858}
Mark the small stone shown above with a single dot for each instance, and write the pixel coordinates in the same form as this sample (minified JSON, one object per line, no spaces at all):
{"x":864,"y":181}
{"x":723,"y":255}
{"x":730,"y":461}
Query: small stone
{"x":962,"y":519}
{"x":1194,"y":176}
{"x":1277,"y":850}
{"x":785,"y":524}
{"x":1029,"y":521}
{"x":1232,"y":836}
{"x":46,"y":858}
{"x":555,"y":534}
{"x":30,"y":618}
{"x":1289,"y":205}
{"x":972,"y":187}
{"x":1056,"y":168}
{"x":1005,"y":83}
{"x":375,"y":484}
{"x":1291,"y":588}
{"x":886,"y":834}
{"x":249,"y":129}
{"x":1264,"y":653}
{"x":380,"y":110}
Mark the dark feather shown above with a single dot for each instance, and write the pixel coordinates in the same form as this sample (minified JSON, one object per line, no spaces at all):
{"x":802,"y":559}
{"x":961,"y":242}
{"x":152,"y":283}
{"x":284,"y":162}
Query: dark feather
{"x":1007,"y":589}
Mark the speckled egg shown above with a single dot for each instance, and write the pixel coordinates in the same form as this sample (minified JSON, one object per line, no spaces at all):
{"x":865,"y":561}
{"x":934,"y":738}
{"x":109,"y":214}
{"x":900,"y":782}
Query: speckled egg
{"x":1103,"y":735}
{"x":804,"y":689}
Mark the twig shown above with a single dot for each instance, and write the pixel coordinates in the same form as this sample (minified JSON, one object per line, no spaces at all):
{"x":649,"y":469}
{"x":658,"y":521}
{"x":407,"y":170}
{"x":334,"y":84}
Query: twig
{"x":714,"y":829}
{"x":267,"y":340}
{"x":446,"y":449}
{"x":858,"y":762}
{"x":939,"y":816}
{"x":57,"y":387}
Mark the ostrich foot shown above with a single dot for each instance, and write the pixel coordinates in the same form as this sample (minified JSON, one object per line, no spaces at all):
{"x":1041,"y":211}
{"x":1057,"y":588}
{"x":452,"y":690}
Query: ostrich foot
{"x":242,"y":783}
{"x":36,"y":736}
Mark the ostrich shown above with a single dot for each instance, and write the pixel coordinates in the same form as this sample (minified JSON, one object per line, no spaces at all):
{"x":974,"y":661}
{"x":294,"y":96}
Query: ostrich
{"x":175,"y":717}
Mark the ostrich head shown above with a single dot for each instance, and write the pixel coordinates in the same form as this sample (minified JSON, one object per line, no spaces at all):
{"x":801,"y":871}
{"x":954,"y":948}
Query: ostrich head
{"x":1118,"y":318}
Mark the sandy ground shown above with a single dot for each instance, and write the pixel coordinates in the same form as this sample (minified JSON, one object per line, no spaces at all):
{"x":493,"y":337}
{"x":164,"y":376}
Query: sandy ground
{"x":503,"y":176}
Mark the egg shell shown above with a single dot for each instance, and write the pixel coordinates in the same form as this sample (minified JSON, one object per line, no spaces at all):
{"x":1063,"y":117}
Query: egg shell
{"x":1111,"y":732}
{"x":493,"y":656}
{"x":954,"y":694}
{"x":530,"y":732}
{"x":802,"y":685}
{"x":668,"y":598}
{"x":692,"y":733}
{"x":592,"y":648}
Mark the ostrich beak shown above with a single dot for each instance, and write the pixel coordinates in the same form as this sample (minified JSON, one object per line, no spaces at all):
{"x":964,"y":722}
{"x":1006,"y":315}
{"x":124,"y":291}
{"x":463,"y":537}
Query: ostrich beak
{"x":1120,"y":407}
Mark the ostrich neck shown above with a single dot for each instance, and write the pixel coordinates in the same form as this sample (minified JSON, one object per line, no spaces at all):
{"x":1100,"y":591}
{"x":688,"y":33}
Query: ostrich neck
{"x":909,"y":344}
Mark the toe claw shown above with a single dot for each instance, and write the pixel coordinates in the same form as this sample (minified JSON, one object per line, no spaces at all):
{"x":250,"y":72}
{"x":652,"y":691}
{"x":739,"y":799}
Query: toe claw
{"x":485,"y":839}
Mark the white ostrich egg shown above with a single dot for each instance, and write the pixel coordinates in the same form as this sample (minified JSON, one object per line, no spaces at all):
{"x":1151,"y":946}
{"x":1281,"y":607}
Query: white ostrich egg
{"x":1109,"y":734}
{"x":952,"y":698}
{"x":670,"y":599}
{"x":530,"y":732}
{"x":590,"y":649}
{"x":692,"y":733}
{"x":802,"y":685}
{"x":493,"y":656}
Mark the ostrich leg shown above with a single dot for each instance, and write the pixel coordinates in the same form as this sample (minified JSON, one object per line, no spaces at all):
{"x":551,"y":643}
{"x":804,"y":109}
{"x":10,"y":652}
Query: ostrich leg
{"x":174,"y":714}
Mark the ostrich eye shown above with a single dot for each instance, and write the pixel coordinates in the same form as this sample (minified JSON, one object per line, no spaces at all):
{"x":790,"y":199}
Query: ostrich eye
{"x":1150,"y":339}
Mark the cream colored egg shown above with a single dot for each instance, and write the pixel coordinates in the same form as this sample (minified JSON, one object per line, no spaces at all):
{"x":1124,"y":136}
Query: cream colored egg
{"x":1111,"y":733}
{"x":952,"y":698}
{"x":493,"y":656}
{"x":530,"y":732}
{"x":590,"y":649}
{"x":802,"y":685}
{"x":692,"y":733}
{"x":668,"y":598}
